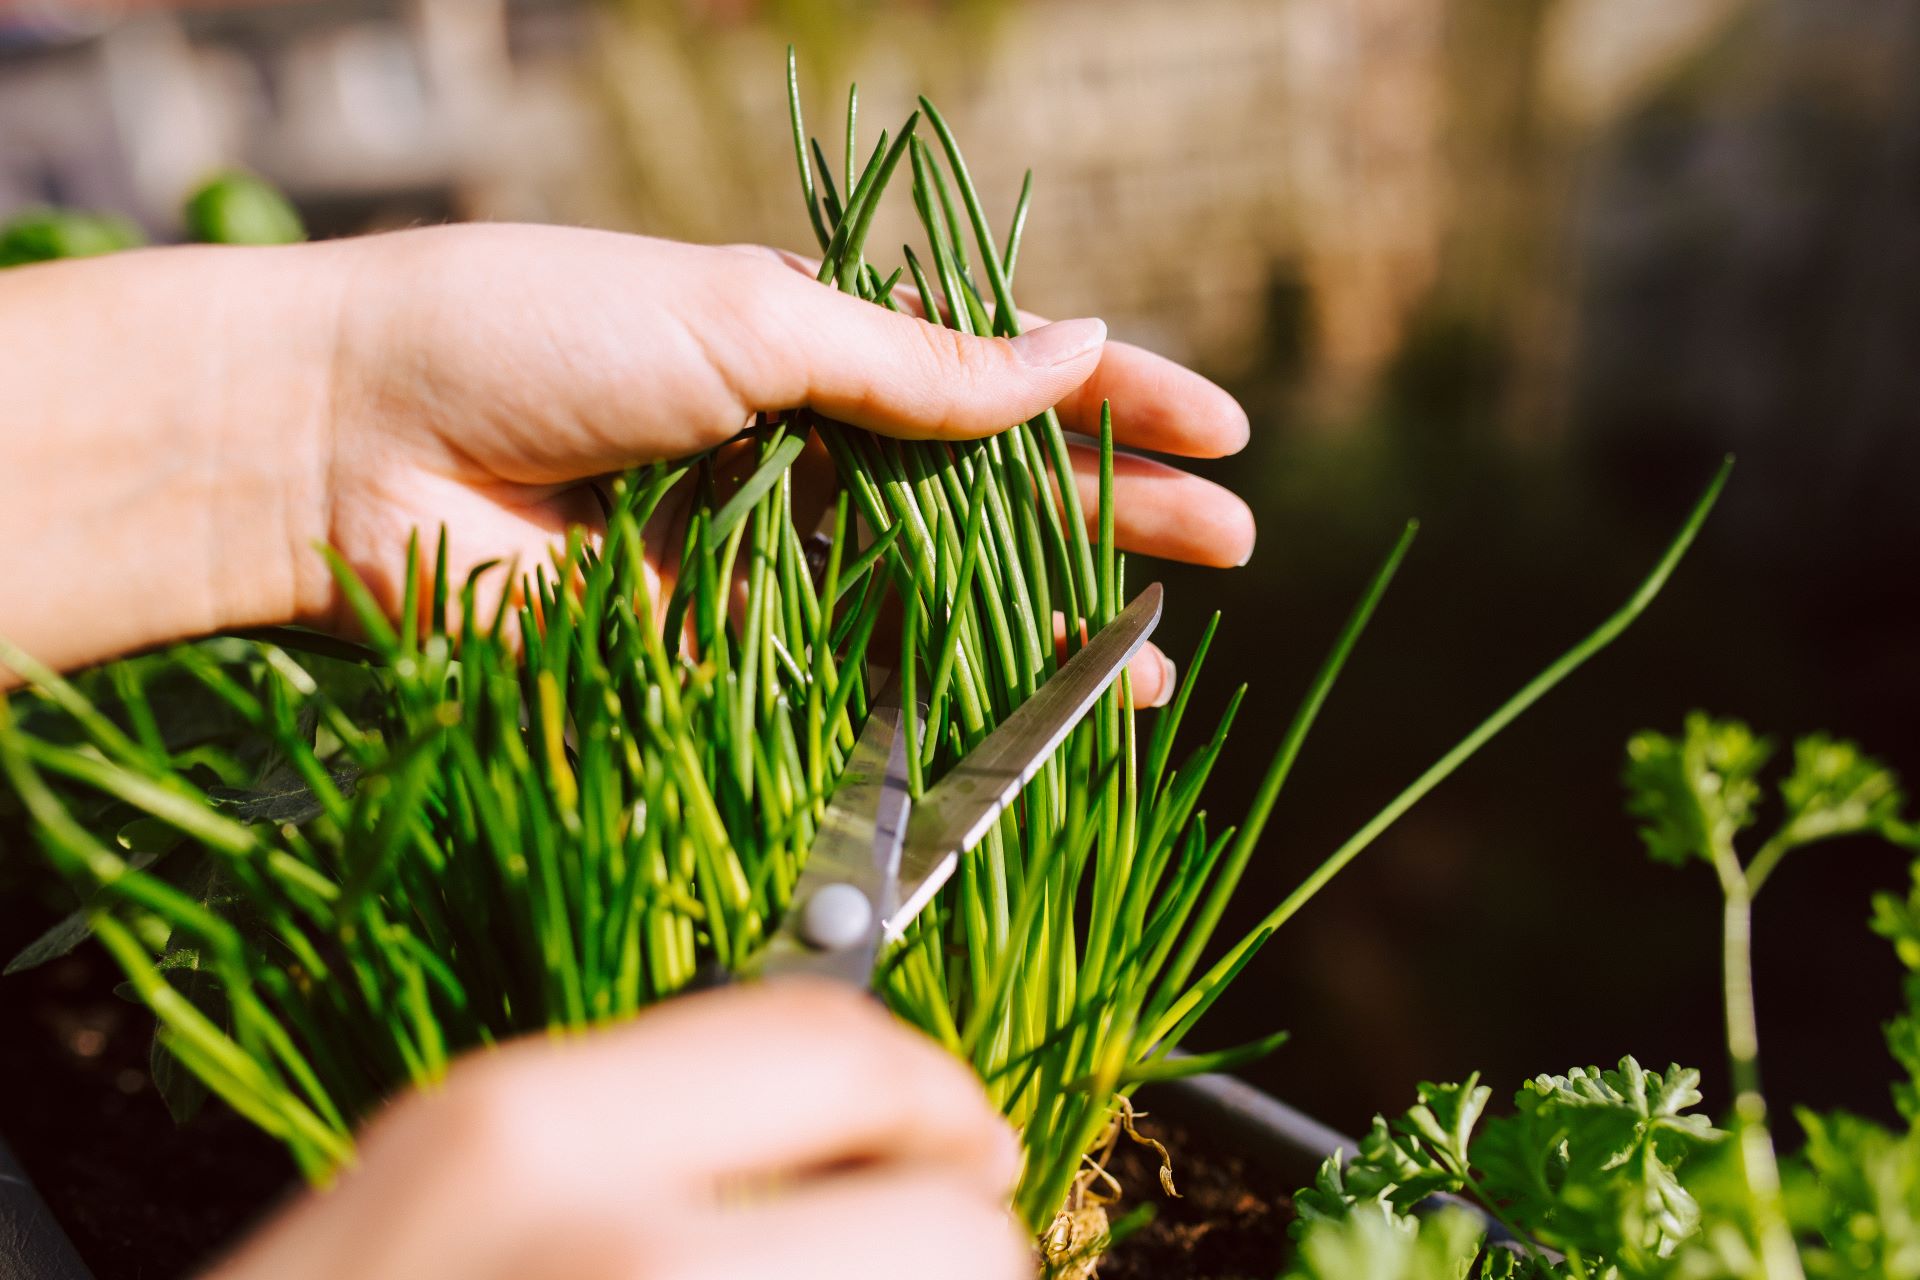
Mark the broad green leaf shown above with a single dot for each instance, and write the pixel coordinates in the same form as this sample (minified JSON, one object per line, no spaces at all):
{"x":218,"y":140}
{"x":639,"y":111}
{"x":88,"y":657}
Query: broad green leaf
{"x":183,"y":1091}
{"x":72,"y":930}
{"x":285,"y":798}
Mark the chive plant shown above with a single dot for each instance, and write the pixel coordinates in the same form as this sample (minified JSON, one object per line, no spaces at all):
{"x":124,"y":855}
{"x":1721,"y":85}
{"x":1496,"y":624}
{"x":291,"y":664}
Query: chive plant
{"x":505,"y":839}
{"x":553,"y":814}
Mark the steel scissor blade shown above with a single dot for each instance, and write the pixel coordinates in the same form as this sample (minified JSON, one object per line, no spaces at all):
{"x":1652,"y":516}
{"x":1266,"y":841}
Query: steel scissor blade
{"x":957,"y":810}
{"x":832,"y":928}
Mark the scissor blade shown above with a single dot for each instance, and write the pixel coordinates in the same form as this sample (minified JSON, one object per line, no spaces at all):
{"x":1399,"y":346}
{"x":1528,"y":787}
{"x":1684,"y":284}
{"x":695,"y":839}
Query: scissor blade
{"x":832,"y":928}
{"x":957,"y":810}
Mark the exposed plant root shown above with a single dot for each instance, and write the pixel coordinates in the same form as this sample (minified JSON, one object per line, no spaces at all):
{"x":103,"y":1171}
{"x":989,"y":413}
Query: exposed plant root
{"x":1073,"y":1244}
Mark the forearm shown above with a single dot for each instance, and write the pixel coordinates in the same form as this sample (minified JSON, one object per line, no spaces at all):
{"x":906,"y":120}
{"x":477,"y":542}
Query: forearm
{"x":162,"y":445}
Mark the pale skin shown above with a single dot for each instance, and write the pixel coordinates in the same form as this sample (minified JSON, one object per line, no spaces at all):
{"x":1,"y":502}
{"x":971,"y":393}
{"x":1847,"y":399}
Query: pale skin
{"x":181,"y":428}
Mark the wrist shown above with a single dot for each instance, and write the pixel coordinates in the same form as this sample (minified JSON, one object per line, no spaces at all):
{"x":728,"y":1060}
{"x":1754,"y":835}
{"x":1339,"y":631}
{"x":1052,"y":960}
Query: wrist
{"x":269,"y":413}
{"x":167,"y":435}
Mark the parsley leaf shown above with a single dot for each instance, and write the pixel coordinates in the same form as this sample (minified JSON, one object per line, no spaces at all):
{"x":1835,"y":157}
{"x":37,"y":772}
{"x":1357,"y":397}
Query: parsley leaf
{"x":1836,"y":790}
{"x":1694,"y":795}
{"x":1588,"y":1164}
{"x":1590,"y":1161}
{"x":1861,"y":1194}
{"x":1419,"y":1154}
{"x":1381,"y":1245}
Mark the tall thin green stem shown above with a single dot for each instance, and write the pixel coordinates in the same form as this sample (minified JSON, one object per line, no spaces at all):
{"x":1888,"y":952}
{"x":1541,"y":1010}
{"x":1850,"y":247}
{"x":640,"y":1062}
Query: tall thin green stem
{"x":1779,"y":1257}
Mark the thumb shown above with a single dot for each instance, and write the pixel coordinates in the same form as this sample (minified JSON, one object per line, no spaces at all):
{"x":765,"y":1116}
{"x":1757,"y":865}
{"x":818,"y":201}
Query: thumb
{"x":811,"y":345}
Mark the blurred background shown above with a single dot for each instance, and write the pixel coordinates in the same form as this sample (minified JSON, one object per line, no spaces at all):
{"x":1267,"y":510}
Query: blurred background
{"x":1523,"y":270}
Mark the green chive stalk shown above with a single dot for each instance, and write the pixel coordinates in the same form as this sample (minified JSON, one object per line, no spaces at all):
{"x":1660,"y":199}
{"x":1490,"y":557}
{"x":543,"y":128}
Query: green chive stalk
{"x":547,"y":817}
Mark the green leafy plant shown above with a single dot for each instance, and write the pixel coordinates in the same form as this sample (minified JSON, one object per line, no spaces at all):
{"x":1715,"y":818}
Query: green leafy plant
{"x":43,"y":235}
{"x":237,"y":207}
{"x":1694,"y":796}
{"x":1587,"y":1166}
{"x":549,"y":815}
{"x":229,"y":208}
{"x":1612,"y":1173}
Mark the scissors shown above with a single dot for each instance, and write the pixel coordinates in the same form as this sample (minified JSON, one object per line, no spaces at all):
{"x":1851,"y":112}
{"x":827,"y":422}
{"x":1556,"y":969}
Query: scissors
{"x":879,"y":856}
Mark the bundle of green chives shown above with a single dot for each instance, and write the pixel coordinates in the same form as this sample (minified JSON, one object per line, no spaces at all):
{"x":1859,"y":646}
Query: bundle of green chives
{"x":477,"y":826}
{"x":504,"y":840}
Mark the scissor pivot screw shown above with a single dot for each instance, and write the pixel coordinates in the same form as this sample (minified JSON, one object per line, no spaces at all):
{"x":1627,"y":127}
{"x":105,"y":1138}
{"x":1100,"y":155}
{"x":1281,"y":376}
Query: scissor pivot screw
{"x":836,"y":917}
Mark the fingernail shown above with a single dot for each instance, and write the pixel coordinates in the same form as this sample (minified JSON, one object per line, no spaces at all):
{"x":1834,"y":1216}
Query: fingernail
{"x":1061,"y":342}
{"x":1163,"y":690}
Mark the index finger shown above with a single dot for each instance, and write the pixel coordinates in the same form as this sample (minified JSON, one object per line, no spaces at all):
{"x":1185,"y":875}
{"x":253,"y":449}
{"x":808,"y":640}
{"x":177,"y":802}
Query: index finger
{"x":1159,"y":405}
{"x":760,"y":1080}
{"x":797,"y":1074}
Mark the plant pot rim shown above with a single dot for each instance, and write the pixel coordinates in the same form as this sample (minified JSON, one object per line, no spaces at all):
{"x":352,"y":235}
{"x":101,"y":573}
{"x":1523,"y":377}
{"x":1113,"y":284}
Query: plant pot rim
{"x":1275,"y":1138}
{"x":32,"y":1245}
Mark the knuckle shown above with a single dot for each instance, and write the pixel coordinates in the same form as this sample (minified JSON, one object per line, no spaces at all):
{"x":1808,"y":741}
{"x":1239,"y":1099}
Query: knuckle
{"x":961,"y":371}
{"x":976,"y":360}
{"x":761,"y":270}
{"x":754,"y":249}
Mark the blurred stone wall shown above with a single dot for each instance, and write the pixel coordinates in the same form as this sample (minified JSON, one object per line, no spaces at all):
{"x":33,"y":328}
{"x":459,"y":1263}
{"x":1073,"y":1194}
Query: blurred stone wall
{"x":368,"y":112}
{"x":1333,"y":184}
{"x":1190,"y":159}
{"x":1339,"y":187}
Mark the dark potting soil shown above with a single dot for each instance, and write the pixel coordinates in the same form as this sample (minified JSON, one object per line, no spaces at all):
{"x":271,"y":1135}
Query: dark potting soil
{"x":1230,"y":1222}
{"x":145,"y":1199}
{"x":141,"y":1197}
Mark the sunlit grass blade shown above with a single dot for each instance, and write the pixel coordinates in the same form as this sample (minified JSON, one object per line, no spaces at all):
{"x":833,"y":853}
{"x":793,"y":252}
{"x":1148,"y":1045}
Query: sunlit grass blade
{"x":1281,"y":766}
{"x":1208,"y":988}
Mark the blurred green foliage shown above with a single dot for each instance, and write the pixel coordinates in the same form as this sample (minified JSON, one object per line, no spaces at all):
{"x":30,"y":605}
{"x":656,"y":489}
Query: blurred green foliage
{"x":240,"y":208}
{"x":230,"y":208}
{"x":42,"y":235}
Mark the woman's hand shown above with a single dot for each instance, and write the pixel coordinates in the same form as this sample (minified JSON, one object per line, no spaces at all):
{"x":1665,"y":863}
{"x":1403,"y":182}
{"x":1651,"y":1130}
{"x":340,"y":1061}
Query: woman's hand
{"x":791,"y":1130}
{"x":485,"y":370}
{"x":189,"y":423}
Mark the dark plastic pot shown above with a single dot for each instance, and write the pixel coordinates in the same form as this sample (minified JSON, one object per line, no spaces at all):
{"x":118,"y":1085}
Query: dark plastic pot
{"x":32,"y":1245}
{"x":1228,"y":1114}
{"x":1234,"y":1117}
{"x":1271,"y":1136}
